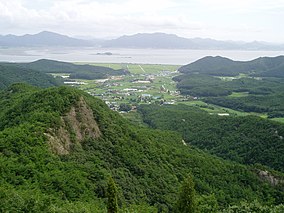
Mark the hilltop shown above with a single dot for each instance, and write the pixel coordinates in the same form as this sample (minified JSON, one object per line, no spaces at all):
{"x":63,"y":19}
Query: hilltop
{"x":60,"y":145}
{"x":220,"y":66}
{"x":76,"y":71}
{"x":10,"y":74}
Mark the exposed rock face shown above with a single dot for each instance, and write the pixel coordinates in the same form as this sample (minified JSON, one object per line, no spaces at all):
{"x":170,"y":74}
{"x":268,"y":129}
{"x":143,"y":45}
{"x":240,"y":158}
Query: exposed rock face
{"x":266,"y":176}
{"x":77,"y":125}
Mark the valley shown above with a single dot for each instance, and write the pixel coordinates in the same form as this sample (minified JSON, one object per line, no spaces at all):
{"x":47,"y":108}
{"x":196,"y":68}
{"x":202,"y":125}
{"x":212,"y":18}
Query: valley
{"x":154,"y":84}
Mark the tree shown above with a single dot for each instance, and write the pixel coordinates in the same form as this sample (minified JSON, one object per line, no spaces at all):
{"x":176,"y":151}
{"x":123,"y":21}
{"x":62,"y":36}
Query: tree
{"x":124,"y":107}
{"x":186,"y":201}
{"x":207,"y":203}
{"x":112,"y":206}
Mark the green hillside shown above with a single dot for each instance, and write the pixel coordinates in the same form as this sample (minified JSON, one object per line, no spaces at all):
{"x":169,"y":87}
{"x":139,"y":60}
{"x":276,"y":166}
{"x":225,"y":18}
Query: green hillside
{"x":59,"y":146}
{"x":220,"y":66}
{"x":245,"y":139}
{"x":88,"y":72}
{"x":10,"y":74}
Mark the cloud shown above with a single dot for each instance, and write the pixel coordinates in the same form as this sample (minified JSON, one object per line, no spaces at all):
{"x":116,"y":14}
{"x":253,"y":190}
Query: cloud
{"x":91,"y":17}
{"x":111,"y":18}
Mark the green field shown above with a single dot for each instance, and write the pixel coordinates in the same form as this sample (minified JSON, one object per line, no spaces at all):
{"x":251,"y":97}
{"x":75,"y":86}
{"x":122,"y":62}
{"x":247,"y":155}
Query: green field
{"x":214,"y":109}
{"x":238,"y":94}
{"x":281,"y":120}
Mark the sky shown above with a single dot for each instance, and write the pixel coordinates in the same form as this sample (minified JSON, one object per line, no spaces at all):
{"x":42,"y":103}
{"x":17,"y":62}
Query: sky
{"x":240,"y":20}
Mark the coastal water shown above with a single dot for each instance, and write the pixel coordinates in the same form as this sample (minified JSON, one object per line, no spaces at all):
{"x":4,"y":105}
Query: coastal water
{"x":143,"y":56}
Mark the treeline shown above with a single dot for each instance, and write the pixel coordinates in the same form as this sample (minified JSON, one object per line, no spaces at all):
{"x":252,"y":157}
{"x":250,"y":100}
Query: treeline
{"x":147,"y":165}
{"x":247,"y":140}
{"x":270,"y":104}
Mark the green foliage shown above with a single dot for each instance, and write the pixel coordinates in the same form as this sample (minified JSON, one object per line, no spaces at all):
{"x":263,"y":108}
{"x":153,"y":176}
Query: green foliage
{"x":207,"y":203}
{"x":124,"y":107}
{"x":253,"y":207}
{"x":201,"y":85}
{"x":112,"y":205}
{"x":11,"y":74}
{"x":271,"y":104}
{"x":246,"y":139}
{"x":186,"y":200}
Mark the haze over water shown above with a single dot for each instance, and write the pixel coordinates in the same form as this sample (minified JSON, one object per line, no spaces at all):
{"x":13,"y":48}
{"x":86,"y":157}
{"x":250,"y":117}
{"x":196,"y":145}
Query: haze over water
{"x":143,"y":56}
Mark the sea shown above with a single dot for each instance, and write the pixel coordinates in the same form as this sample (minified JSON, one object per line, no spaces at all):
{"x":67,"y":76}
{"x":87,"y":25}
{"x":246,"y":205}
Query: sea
{"x":116,"y":55}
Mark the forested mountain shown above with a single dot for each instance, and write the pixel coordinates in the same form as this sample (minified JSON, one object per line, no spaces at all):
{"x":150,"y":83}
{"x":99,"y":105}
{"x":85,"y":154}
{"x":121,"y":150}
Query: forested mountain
{"x":11,"y":74}
{"x":59,"y":146}
{"x":220,"y":66}
{"x":76,"y":71}
{"x":245,"y":139}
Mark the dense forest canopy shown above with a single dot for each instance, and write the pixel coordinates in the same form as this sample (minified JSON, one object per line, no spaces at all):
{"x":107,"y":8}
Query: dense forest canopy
{"x":245,"y":139}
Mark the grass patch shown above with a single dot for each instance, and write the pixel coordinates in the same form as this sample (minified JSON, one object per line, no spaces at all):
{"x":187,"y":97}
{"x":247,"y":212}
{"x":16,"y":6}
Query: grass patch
{"x":281,"y":120}
{"x":238,"y":94}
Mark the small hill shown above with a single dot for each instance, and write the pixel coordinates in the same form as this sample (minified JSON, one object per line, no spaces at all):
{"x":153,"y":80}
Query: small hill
{"x":58,"y":147}
{"x":10,"y":74}
{"x":44,"y":38}
{"x":220,"y":66}
{"x":77,"y":71}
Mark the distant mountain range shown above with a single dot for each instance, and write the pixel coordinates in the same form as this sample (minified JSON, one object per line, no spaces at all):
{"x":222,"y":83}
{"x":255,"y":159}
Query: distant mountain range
{"x":44,"y":38}
{"x":171,"y":41}
{"x":140,"y":40}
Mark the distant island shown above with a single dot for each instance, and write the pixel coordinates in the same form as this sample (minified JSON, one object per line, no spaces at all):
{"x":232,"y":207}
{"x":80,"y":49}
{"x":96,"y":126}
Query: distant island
{"x":105,"y":53}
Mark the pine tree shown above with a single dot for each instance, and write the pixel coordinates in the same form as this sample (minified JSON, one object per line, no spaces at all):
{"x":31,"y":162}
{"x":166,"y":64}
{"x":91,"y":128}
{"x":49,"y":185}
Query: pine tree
{"x":186,"y":201}
{"x":112,"y":206}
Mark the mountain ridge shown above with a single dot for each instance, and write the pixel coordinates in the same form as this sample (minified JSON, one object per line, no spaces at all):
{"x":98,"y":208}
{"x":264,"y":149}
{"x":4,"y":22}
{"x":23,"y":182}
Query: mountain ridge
{"x":172,"y":41}
{"x":139,"y":40}
{"x":41,"y":39}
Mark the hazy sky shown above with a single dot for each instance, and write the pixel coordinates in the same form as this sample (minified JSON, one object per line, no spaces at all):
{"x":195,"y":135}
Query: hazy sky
{"x":246,"y":20}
